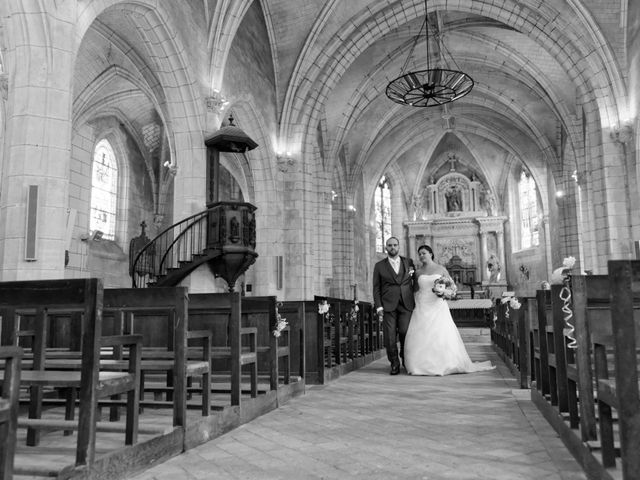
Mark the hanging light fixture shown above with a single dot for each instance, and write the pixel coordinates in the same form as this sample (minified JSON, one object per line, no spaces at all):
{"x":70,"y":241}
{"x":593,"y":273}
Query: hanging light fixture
{"x":433,"y":86}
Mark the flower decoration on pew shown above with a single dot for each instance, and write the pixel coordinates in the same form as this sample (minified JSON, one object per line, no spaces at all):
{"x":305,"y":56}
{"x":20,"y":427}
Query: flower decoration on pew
{"x":281,"y":324}
{"x":353,"y":313}
{"x":512,"y":302}
{"x":445,"y":288}
{"x":324,"y":309}
{"x":562,"y":276}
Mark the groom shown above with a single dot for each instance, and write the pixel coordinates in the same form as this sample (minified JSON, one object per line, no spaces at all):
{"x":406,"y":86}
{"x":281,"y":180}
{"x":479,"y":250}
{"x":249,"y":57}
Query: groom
{"x":393,"y":299}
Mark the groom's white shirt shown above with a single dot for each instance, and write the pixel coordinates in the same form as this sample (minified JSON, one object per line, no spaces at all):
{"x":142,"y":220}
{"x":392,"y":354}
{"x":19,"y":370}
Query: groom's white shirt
{"x":395,"y":263}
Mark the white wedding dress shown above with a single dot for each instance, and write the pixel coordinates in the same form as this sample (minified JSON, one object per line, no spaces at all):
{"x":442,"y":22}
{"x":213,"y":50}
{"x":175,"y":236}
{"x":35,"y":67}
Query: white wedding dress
{"x":433,"y":345}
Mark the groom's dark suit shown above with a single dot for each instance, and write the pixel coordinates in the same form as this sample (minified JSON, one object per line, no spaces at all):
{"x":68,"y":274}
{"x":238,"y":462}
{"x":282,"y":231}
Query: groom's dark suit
{"x":394,"y":292}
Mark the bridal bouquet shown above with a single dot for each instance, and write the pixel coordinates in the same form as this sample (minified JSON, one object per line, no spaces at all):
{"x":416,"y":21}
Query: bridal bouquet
{"x":445,"y":288}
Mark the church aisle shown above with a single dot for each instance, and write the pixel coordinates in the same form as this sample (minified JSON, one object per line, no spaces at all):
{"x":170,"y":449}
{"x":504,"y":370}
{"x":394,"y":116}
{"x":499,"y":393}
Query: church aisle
{"x":370,"y":425}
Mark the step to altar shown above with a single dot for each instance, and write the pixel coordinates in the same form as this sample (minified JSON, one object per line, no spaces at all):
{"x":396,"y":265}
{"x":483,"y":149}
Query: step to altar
{"x":475,"y":335}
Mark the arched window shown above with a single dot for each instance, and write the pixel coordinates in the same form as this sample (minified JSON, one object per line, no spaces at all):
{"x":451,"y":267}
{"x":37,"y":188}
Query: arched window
{"x":529,"y":219}
{"x":104,"y":190}
{"x":383,"y":213}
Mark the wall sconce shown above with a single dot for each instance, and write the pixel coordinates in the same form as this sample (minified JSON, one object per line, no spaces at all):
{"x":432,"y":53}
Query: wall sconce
{"x":217,"y":102}
{"x":524,"y":270}
{"x":172,"y":168}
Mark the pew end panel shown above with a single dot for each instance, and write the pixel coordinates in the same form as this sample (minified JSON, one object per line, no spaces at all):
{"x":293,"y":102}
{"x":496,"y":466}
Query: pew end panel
{"x":622,"y":392}
{"x":10,"y":358}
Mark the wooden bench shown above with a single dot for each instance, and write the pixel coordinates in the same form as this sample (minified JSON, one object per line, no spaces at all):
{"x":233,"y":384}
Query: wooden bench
{"x":556,"y":351}
{"x":584,"y":385}
{"x":295,"y":312}
{"x":82,"y":299}
{"x":313,"y":341}
{"x":559,"y":382}
{"x":233,"y":346}
{"x":160,"y":314}
{"x":538,"y":328}
{"x":274,"y":352}
{"x":9,"y":408}
{"x":341,"y":331}
{"x":509,"y":336}
{"x":618,"y":388}
{"x":590,"y":306}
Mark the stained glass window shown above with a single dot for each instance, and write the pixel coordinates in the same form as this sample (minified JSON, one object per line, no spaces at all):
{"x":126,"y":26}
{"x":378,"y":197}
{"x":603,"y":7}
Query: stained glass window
{"x":529,"y":219}
{"x":383,"y":213}
{"x":104,"y":189}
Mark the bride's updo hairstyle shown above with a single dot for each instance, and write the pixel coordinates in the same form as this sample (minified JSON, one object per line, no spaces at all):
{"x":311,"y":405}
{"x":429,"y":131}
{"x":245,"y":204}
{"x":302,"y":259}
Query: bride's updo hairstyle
{"x":428,"y":249}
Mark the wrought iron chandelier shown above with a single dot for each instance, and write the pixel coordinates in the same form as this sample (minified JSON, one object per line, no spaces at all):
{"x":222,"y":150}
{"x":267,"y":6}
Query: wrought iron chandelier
{"x":432,"y":86}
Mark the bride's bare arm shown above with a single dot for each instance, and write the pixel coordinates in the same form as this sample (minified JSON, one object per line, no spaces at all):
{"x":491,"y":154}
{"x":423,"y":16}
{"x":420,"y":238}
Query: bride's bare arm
{"x":416,"y":285}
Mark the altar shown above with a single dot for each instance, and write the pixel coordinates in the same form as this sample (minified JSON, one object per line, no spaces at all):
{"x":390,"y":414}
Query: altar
{"x":471,"y":312}
{"x":457,"y":215}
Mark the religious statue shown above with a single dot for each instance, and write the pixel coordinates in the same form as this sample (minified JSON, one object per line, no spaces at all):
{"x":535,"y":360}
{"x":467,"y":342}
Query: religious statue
{"x":454,"y":200}
{"x":493,"y":265}
{"x":492,"y":208}
{"x":234,"y":230}
{"x":416,"y":204}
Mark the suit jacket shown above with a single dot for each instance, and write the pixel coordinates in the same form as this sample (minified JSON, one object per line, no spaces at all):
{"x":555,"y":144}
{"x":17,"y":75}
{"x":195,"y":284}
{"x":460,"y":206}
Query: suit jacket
{"x":390,"y":289}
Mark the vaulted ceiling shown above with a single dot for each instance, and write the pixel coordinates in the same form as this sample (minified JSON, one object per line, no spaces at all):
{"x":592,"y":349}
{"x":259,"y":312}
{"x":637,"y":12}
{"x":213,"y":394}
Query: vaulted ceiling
{"x":535,"y":66}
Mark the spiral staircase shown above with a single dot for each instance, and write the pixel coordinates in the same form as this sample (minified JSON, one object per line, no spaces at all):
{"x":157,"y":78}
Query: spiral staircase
{"x":223,"y":236}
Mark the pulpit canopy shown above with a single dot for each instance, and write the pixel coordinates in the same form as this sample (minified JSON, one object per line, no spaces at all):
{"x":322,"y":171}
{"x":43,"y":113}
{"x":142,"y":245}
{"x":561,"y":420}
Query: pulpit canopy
{"x":231,"y":138}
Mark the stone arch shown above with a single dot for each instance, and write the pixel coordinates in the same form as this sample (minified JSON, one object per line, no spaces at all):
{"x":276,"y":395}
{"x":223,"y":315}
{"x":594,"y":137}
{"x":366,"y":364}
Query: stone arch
{"x":167,"y":65}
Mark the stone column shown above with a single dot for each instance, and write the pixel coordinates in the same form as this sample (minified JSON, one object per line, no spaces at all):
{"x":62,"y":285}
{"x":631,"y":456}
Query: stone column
{"x":431,"y":192}
{"x":547,"y":245}
{"x":39,"y":61}
{"x":413,"y":246}
{"x":484,"y":255}
{"x":501,"y":255}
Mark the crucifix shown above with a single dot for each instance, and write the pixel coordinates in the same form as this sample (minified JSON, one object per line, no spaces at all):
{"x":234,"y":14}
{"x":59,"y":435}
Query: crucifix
{"x":452,"y":160}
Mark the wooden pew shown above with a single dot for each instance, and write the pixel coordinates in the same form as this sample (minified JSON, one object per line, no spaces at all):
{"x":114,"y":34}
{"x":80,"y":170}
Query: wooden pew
{"x":509,"y":335}
{"x":234,"y":346}
{"x":311,"y":345}
{"x":619,"y":389}
{"x":83,"y":297}
{"x":9,"y":408}
{"x":160,"y":314}
{"x":590,"y":299}
{"x":281,"y":345}
{"x":562,"y":373}
{"x":295,"y":313}
{"x":341,"y":331}
{"x":556,"y":350}
{"x":605,"y":310}
{"x":539,"y":343}
{"x":273,"y":352}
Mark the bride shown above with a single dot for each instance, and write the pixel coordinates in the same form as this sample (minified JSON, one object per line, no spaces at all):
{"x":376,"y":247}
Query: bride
{"x":433,"y":345}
